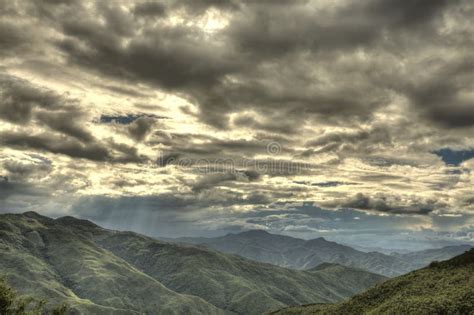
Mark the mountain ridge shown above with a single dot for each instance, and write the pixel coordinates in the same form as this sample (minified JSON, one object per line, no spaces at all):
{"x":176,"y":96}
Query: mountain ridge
{"x":303,"y":254}
{"x":101,"y":271}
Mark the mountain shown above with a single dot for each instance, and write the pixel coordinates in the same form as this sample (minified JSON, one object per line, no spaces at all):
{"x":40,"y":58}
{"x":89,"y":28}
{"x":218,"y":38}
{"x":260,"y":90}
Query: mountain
{"x":423,"y":258}
{"x":100,"y":271}
{"x":47,"y":258}
{"x":296,"y":253}
{"x":442,"y":288}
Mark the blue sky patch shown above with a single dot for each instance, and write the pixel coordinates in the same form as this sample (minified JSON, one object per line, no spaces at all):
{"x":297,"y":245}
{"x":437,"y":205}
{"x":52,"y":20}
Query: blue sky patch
{"x":453,"y":157}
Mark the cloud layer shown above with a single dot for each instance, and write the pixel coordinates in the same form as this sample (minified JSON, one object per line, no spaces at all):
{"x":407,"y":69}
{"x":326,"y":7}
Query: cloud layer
{"x":203,"y":113}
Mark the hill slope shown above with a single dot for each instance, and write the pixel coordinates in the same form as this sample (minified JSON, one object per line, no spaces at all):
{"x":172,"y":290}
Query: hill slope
{"x":43,"y":258}
{"x":296,"y":253}
{"x":442,"y":288}
{"x":99,"y":271}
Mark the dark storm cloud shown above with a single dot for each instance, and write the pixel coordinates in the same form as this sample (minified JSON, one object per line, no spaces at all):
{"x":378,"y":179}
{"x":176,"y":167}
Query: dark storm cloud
{"x":108,"y":151}
{"x":126,"y":153}
{"x":21,"y":102}
{"x":19,"y":169}
{"x":141,"y":127}
{"x":19,"y":99}
{"x":273,"y":30}
{"x":182,"y":59}
{"x":171,"y":58}
{"x":53,"y":144}
{"x":66,"y":122}
{"x":440,"y":98}
{"x":389,"y":204}
{"x":150,"y":8}
{"x":24,"y":103}
{"x":357,"y":82}
{"x":167,"y":158}
{"x":271,"y":125}
{"x":12,"y":38}
{"x":212,"y":180}
{"x":211,"y":148}
{"x":345,"y":143}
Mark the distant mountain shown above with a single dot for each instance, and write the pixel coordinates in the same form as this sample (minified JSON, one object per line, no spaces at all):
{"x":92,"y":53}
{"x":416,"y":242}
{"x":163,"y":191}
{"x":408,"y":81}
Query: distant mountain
{"x":442,"y":288}
{"x":99,"y":271}
{"x":301,"y":254}
{"x":425,"y":257}
{"x":296,"y":253}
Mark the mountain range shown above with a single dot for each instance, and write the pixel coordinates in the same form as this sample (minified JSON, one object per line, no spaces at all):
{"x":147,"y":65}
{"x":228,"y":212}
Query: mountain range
{"x":441,"y":288}
{"x":100,"y":271}
{"x":302,"y":254}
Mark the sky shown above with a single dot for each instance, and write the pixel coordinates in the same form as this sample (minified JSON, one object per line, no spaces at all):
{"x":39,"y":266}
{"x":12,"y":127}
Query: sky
{"x":351,"y":120}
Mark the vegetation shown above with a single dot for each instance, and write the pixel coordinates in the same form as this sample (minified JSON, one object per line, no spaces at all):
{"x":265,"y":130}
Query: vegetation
{"x":12,"y":304}
{"x":443,"y":288}
{"x":234,"y":283}
{"x":98,"y":271}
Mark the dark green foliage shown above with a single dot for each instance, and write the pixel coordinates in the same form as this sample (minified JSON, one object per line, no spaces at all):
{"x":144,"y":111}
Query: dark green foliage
{"x":12,"y":304}
{"x":7,"y":297}
{"x":442,"y":288}
{"x":61,"y":310}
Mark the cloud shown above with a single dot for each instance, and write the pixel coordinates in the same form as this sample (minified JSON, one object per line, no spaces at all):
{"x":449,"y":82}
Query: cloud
{"x":151,"y":8}
{"x":141,"y":127}
{"x":19,"y":99}
{"x":241,"y":113}
{"x":45,"y":142}
{"x":212,"y":180}
{"x":446,"y":96}
{"x":391,"y":204}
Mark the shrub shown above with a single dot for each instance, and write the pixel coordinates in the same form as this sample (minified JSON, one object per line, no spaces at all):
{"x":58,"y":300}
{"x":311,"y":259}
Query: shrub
{"x":12,"y":304}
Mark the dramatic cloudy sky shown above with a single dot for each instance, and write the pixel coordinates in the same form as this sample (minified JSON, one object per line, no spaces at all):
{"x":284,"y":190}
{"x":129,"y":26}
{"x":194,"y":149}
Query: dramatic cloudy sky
{"x":352,"y":120}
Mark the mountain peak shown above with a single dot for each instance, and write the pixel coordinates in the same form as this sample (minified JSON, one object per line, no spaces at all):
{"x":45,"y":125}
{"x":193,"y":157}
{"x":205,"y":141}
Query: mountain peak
{"x":34,"y":215}
{"x":70,"y":220}
{"x":318,"y":240}
{"x":254,"y":233}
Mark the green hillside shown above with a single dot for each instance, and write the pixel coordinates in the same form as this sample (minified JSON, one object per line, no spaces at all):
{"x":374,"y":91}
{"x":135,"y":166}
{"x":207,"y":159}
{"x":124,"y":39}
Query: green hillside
{"x":231,"y":282}
{"x":99,"y":271}
{"x":44,"y":258}
{"x":442,"y":288}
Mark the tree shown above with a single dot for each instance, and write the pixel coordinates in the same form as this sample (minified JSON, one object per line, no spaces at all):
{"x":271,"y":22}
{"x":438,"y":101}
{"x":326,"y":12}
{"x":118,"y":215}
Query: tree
{"x":12,"y":304}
